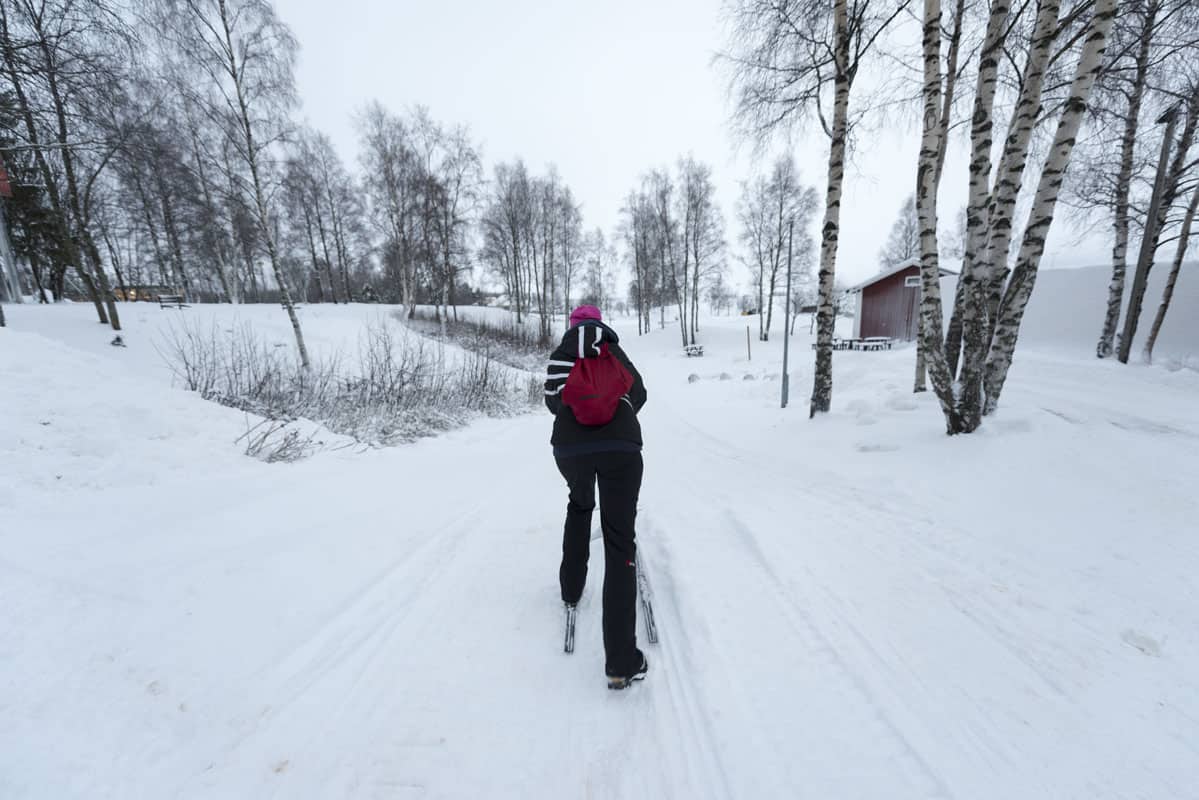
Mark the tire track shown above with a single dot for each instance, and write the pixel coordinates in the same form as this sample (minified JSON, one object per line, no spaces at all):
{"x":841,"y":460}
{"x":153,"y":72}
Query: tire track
{"x":701,"y":753}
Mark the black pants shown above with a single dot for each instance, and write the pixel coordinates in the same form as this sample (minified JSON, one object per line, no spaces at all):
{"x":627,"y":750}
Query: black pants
{"x":619,"y":478}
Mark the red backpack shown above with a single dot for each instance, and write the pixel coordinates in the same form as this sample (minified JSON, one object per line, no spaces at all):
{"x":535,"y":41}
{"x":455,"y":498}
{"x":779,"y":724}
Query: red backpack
{"x":595,"y":387}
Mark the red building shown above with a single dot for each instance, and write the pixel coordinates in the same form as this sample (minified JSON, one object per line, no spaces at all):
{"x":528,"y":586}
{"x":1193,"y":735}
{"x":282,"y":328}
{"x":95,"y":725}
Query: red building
{"x":888,"y":303}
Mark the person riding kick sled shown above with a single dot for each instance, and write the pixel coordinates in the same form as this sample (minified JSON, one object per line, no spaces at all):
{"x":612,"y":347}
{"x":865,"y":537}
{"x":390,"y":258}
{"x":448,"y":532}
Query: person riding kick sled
{"x":595,"y":394}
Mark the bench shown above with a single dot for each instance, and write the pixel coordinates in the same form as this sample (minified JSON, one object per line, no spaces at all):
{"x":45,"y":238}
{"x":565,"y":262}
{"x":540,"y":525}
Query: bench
{"x":874,"y":343}
{"x":869,"y":343}
{"x":839,"y":344}
{"x":176,"y":300}
{"x":694,"y":350}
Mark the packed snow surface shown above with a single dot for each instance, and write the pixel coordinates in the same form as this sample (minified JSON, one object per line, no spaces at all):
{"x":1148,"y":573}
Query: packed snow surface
{"x":852,"y":607}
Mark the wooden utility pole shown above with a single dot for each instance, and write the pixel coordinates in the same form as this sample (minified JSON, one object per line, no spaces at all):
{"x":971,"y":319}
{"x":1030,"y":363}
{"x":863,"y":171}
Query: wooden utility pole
{"x":787,"y":314}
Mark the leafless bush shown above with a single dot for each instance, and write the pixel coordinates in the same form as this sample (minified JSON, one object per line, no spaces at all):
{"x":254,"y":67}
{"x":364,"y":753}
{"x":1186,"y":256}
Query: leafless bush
{"x":515,"y":345}
{"x":273,"y":441}
{"x":398,"y":389}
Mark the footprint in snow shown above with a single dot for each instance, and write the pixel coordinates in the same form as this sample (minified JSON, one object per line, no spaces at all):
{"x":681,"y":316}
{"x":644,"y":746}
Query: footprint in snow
{"x":875,"y":447}
{"x":1012,"y":425}
{"x":1146,"y":644}
{"x":901,"y":402}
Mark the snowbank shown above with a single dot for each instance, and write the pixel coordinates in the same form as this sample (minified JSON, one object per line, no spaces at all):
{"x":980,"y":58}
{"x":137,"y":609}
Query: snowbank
{"x":1067,"y":308}
{"x":856,"y":606}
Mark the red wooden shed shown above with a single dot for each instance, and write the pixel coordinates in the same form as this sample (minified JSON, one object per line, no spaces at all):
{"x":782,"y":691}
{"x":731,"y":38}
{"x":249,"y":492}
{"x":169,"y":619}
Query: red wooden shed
{"x":888,"y":303}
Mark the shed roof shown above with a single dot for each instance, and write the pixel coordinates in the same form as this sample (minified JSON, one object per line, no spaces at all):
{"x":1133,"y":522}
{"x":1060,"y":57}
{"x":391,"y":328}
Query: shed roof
{"x":913,"y":262}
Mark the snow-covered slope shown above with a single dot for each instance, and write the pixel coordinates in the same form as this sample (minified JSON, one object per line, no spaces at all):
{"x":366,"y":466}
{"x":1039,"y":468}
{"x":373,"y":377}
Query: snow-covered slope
{"x":1067,"y":306}
{"x":852,"y":607}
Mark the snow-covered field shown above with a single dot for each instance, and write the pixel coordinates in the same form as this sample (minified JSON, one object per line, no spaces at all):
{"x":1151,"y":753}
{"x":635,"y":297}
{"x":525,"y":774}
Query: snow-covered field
{"x":855,"y":607}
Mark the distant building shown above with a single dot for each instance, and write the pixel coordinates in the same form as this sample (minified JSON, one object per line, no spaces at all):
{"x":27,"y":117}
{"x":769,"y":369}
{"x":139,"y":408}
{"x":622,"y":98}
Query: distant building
{"x":889,"y":303}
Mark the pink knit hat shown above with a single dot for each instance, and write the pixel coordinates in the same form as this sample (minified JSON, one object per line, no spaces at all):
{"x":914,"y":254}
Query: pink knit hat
{"x":584,"y":313}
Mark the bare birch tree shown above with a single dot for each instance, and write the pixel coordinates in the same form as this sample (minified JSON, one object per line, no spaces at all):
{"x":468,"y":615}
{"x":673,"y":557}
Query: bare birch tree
{"x":927,"y":181}
{"x":947,"y":94}
{"x":1023,"y":277}
{"x":903,"y":242}
{"x":248,"y":57}
{"x":991,"y":214}
{"x":636,"y":228}
{"x":785,"y":58}
{"x":668,"y":223}
{"x":598,"y":258}
{"x":1184,"y":237}
{"x":1157,"y":216}
{"x":1141,"y":25}
{"x":768,"y":204}
{"x":991,"y":327}
{"x":459,"y":176}
{"x":703,"y":237}
{"x":969,"y":301}
{"x":531,"y":232}
{"x":507,"y":214}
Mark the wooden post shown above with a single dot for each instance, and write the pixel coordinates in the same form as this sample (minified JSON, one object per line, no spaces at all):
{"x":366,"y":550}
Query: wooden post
{"x":787,"y":314}
{"x":748,"y":354}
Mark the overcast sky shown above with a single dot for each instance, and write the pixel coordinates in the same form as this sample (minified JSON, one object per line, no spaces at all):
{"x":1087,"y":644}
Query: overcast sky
{"x":605,"y":91}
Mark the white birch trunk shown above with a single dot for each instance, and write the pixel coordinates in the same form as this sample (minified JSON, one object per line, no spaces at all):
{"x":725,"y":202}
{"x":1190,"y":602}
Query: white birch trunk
{"x":927,"y":173}
{"x":822,"y":386}
{"x":1159,"y":216}
{"x":1011,"y":171}
{"x":1019,"y":289}
{"x":951,"y":68}
{"x":982,"y":125}
{"x":993,"y":239}
{"x":259,"y":198}
{"x":1115,"y":290}
{"x":1184,"y":237}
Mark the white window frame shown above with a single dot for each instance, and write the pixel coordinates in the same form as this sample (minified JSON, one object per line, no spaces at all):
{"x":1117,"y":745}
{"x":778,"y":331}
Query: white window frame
{"x":911,"y":282}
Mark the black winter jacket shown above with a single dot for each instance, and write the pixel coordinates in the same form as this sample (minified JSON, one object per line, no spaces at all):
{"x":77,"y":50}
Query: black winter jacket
{"x":571,"y":437}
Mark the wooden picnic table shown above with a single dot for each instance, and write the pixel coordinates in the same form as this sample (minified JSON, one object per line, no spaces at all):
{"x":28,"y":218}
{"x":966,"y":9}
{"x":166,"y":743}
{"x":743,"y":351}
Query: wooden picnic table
{"x":869,"y":343}
{"x":875,"y":343}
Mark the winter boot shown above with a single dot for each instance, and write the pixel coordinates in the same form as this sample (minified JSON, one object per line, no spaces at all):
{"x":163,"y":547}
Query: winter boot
{"x":624,"y":681}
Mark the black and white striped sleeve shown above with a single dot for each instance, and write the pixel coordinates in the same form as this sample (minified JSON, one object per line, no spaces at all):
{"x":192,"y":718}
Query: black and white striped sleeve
{"x":555,"y":380}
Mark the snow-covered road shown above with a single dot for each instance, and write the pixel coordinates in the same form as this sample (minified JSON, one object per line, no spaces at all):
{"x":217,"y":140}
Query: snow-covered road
{"x":846,"y":610}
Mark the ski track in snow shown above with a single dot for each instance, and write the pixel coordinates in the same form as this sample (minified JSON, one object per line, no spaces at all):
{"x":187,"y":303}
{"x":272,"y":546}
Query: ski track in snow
{"x":692,"y":726}
{"x":832,"y":622}
{"x":877,"y":742}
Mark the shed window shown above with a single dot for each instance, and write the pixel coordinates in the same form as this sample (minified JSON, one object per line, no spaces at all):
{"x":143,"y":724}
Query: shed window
{"x":912,"y":281}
